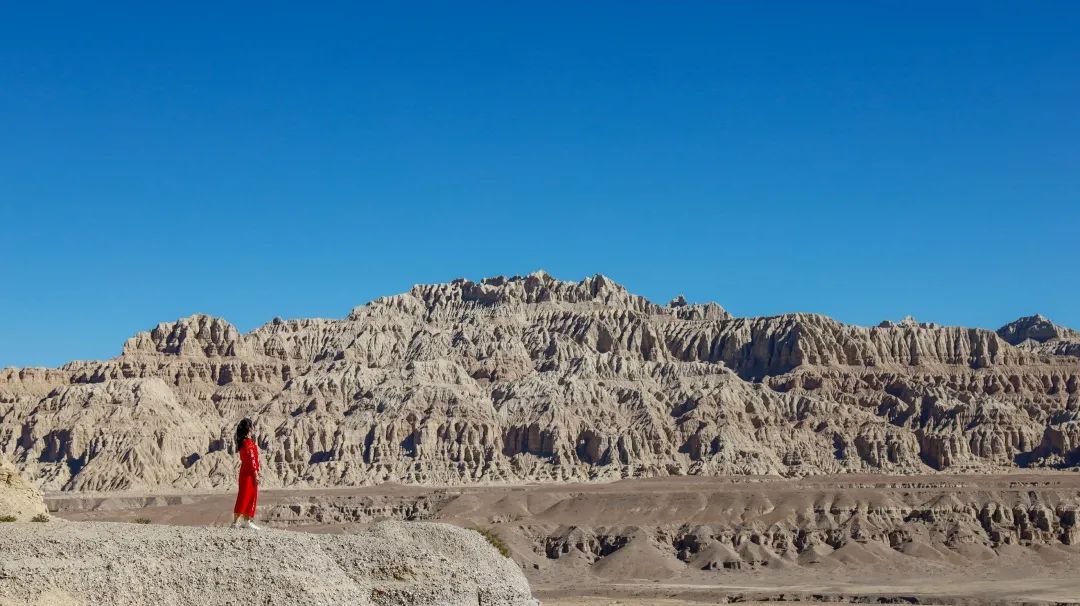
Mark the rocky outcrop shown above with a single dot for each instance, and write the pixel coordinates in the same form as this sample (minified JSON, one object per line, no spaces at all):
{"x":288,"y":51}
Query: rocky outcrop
{"x":531,"y":378}
{"x":1036,"y":328}
{"x":18,"y":499}
{"x":392,"y":564}
{"x":1038,"y":333}
{"x":198,"y":335}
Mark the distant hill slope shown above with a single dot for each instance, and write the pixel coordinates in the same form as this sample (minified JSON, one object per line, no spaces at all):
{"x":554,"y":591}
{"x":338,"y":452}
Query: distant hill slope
{"x":532,"y":378}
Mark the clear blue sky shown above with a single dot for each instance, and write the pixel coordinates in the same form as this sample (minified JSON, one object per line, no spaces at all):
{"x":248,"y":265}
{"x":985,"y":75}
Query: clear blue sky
{"x":864,"y":160}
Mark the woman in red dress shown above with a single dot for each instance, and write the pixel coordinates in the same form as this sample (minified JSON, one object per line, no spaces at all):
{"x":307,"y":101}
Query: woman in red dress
{"x":244,"y":510}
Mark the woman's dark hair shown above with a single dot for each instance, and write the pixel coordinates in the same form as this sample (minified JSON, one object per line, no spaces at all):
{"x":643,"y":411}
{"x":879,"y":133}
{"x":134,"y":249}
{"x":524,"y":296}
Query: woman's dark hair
{"x":243,"y":430}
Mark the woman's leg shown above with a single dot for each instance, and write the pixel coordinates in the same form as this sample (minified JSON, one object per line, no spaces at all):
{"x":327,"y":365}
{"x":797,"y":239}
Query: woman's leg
{"x":244,"y":495}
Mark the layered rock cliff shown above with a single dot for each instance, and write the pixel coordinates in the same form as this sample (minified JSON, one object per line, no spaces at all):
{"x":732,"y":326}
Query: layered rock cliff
{"x":532,"y":378}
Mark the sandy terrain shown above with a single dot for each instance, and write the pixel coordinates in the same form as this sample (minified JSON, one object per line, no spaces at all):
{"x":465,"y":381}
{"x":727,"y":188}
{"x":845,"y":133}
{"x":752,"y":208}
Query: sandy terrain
{"x":938,"y":539}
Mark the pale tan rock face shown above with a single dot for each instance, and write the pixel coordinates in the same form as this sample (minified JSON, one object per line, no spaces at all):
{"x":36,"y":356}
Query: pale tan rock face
{"x":1037,"y":333}
{"x":531,"y":378}
{"x":17,"y":497}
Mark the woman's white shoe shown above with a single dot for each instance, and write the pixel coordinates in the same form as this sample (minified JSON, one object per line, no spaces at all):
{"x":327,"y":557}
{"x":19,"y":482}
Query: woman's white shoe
{"x":252,"y":525}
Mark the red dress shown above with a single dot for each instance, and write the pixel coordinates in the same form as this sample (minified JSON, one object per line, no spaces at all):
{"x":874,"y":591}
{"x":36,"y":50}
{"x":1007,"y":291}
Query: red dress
{"x":249,"y":488}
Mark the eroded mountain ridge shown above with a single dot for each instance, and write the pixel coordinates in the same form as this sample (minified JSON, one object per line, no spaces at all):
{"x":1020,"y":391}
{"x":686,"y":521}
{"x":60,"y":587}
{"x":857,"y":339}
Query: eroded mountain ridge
{"x":535,"y":379}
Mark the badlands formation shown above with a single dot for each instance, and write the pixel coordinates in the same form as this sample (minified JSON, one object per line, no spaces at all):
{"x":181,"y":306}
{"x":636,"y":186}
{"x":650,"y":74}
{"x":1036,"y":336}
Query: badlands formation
{"x":790,"y":457}
{"x":535,"y":379}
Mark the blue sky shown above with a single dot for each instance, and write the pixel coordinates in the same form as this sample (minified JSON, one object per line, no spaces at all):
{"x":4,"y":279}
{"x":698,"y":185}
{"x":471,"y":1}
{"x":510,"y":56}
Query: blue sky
{"x":864,"y":160}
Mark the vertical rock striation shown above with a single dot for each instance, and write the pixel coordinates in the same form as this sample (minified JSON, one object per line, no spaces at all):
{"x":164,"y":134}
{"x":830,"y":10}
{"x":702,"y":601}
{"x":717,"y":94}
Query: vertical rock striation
{"x":532,"y":378}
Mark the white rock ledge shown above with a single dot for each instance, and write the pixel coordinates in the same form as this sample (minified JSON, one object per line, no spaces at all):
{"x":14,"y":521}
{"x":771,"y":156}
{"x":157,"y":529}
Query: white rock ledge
{"x":393,"y":563}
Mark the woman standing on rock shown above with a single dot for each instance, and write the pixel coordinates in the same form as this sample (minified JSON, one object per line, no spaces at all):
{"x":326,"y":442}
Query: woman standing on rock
{"x":244,"y":510}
